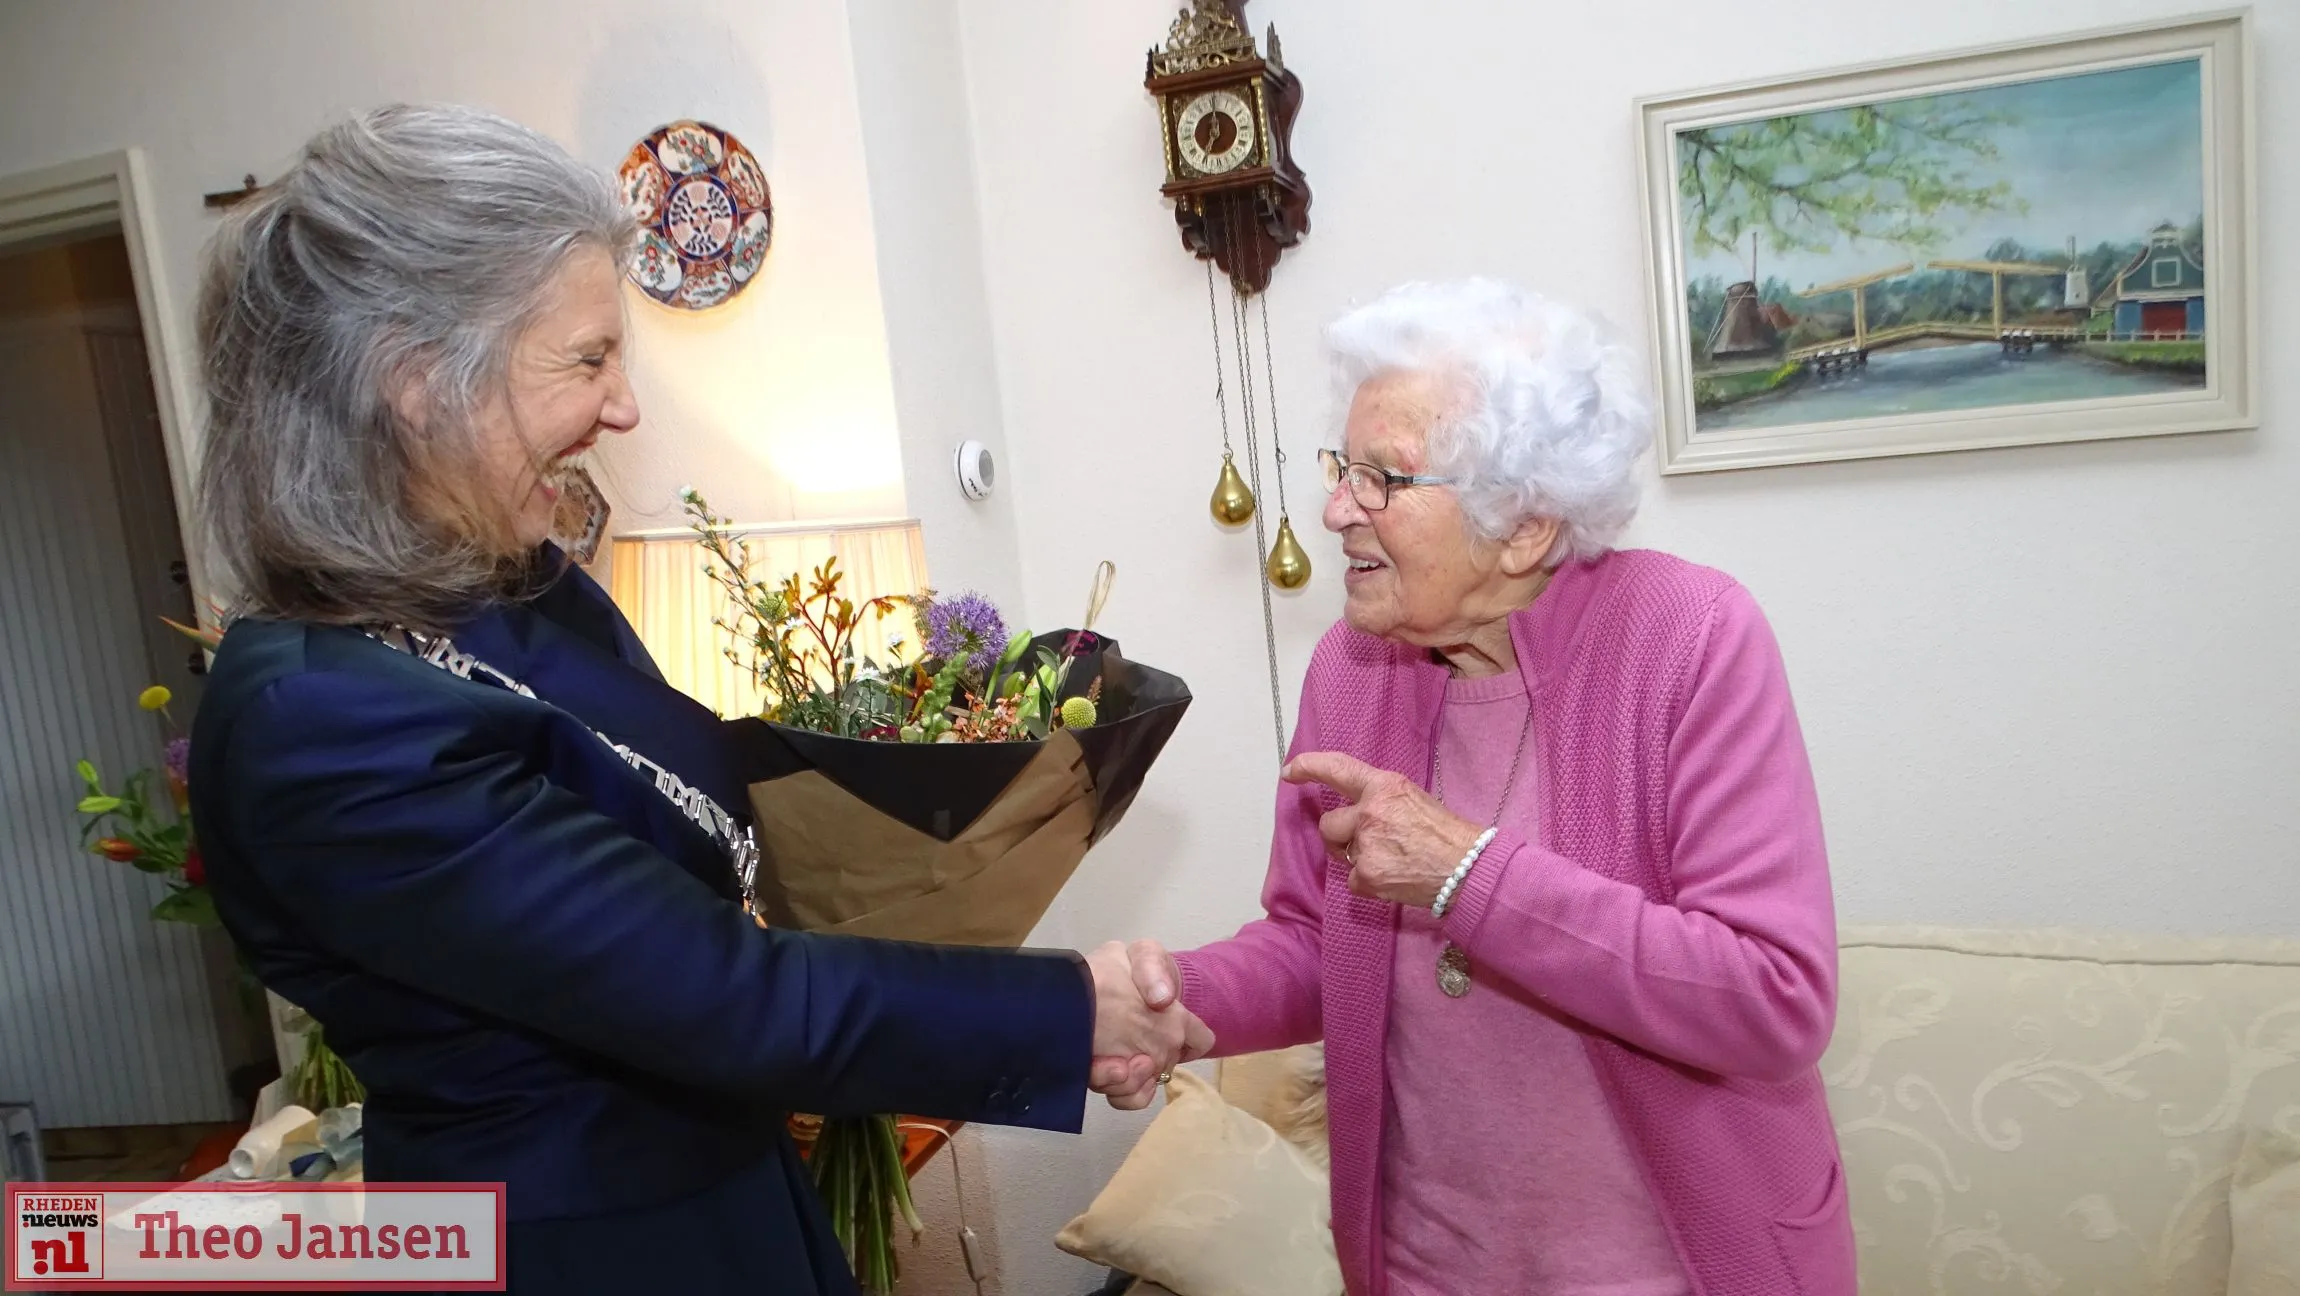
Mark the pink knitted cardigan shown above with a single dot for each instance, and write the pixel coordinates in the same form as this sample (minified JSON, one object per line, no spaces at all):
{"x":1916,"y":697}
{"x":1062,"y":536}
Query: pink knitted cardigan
{"x":1678,"y":903}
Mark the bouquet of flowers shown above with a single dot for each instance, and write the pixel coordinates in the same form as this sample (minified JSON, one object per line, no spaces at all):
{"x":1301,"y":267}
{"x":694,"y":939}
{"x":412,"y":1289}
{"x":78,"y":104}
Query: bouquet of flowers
{"x":136,"y":826}
{"x":153,"y":835}
{"x":944,"y":798}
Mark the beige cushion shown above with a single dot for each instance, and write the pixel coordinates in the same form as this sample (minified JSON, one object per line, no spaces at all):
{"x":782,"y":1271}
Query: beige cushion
{"x":1212,"y":1203}
{"x":2042,"y":1112}
{"x":2264,"y":1216}
{"x":1285,"y":1090}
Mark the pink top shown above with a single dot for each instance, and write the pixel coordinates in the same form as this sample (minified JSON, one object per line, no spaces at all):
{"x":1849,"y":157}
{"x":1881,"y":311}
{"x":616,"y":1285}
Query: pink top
{"x":1491,"y":1095}
{"x":1675,"y":900}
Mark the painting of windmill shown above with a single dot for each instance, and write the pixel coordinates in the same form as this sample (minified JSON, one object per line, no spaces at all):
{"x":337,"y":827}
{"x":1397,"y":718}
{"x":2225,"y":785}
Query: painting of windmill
{"x":2022,"y":243}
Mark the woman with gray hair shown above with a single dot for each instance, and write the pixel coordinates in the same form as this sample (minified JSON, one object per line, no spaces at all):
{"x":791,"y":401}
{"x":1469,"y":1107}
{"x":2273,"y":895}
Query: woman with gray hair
{"x":1547,"y":876}
{"x":448,"y":806}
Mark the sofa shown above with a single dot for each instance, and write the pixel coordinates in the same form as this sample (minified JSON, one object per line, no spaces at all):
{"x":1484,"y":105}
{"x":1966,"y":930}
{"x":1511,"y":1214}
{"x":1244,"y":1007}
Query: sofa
{"x":2020,"y":1112}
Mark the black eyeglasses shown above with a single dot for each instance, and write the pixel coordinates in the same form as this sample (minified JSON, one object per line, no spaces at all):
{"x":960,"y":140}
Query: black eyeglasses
{"x":1370,"y":486}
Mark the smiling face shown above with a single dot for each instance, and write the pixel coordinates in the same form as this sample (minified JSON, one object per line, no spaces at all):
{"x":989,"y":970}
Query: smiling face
{"x":564,"y":388}
{"x":1418,"y":573}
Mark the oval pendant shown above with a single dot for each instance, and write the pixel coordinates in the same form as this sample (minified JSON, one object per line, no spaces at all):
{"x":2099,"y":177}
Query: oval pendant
{"x":1453,"y":971}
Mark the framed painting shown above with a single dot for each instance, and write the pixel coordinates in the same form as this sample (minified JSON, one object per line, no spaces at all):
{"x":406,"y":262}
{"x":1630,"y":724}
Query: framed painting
{"x":2043,"y":242}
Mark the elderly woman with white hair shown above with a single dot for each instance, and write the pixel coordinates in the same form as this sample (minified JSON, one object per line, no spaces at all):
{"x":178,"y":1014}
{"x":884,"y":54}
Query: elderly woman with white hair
{"x":1547,"y":876}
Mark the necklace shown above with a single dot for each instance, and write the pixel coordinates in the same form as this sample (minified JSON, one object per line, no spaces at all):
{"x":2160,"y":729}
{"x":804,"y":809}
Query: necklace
{"x":1453,"y":962}
{"x":727,"y":832}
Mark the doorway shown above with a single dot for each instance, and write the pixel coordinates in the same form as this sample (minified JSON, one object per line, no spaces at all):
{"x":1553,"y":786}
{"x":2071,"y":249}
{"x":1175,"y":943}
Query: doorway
{"x":123,"y":1033}
{"x":2164,"y":319}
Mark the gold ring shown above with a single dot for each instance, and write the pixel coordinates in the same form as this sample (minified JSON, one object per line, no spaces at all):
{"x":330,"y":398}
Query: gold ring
{"x":1165,"y":1077}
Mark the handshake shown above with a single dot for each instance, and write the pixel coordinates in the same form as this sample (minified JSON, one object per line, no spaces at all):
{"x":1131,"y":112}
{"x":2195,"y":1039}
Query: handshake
{"x":1141,"y":1029}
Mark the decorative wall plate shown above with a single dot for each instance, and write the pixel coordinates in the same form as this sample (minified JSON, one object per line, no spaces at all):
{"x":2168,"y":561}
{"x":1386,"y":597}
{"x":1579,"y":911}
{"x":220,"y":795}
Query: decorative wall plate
{"x":705,"y":215}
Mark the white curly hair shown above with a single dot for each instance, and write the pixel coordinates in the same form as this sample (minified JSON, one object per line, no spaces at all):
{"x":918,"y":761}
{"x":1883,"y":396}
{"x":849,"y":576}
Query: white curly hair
{"x":1553,"y":411}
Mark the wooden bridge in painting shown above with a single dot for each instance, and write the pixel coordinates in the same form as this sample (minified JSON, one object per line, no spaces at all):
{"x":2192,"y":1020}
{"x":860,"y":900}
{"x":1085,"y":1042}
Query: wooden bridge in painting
{"x":1843,"y":354}
{"x":1854,"y":350}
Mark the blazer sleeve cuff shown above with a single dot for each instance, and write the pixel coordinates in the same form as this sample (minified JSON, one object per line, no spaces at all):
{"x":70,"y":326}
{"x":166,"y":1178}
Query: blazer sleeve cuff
{"x":1045,"y":1087}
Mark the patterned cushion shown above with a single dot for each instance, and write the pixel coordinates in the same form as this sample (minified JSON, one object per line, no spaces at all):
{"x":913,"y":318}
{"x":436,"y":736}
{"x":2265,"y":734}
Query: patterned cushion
{"x":1285,"y":1090}
{"x":2037,"y":1112}
{"x":2264,"y":1216}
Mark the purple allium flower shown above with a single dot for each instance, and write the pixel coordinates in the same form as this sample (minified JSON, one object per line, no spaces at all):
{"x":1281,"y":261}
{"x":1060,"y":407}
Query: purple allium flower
{"x":965,"y":625}
{"x":178,"y":759}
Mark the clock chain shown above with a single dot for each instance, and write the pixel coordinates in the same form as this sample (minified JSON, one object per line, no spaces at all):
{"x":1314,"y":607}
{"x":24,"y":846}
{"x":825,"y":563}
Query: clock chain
{"x":1221,"y":396}
{"x":1297,"y":560}
{"x":1250,"y":420}
{"x":1269,"y":395}
{"x":1270,"y":387}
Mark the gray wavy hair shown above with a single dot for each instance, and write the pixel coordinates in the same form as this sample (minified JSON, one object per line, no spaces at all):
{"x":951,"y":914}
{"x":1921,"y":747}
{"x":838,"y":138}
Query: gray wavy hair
{"x":404,"y":252}
{"x":1553,"y":415}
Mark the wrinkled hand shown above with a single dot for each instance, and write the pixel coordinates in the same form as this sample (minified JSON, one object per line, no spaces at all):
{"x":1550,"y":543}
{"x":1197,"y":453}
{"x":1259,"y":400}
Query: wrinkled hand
{"x":1400,"y":843}
{"x":1140,"y":1028}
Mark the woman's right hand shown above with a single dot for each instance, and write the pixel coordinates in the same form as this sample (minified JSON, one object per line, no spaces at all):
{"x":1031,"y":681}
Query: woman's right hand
{"x":1140,"y":1029}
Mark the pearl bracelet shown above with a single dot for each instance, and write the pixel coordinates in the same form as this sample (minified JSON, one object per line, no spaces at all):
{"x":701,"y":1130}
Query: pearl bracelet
{"x":1452,"y":884}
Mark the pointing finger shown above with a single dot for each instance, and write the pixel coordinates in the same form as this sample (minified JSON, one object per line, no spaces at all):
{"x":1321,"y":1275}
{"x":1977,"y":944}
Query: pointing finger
{"x":1340,"y":771}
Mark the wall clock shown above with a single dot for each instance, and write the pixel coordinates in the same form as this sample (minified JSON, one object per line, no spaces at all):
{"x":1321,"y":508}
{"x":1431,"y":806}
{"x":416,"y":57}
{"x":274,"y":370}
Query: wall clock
{"x":1226,"y":109}
{"x":1215,"y":133}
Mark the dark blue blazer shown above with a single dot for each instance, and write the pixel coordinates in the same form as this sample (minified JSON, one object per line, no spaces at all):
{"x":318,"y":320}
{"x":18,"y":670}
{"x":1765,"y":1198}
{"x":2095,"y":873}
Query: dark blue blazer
{"x":538,"y":967}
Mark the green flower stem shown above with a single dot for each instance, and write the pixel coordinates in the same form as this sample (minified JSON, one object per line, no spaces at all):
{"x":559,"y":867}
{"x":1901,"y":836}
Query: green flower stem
{"x":857,"y":1164}
{"x":933,"y":719}
{"x":322,"y":1078}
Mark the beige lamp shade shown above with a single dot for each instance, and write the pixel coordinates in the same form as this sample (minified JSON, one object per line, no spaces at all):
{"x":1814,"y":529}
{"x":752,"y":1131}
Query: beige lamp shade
{"x":657,"y":579}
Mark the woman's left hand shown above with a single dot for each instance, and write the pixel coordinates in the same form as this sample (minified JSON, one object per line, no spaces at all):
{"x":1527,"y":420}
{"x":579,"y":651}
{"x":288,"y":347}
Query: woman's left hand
{"x":1400,"y":842}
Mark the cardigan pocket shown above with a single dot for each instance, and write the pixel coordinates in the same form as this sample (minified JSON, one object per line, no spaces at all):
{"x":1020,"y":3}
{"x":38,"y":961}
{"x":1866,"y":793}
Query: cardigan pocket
{"x":1817,"y":1245}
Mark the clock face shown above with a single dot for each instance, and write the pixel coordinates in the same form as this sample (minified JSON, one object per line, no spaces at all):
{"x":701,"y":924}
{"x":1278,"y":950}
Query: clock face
{"x":1214,"y":132}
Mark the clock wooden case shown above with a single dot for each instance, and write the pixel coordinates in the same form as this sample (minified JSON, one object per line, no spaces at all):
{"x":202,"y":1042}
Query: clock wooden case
{"x":1228,"y":110}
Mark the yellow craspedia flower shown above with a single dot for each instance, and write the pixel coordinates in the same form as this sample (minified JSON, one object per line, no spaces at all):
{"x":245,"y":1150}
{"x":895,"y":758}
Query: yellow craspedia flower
{"x":155,"y":697}
{"x":1078,"y":713}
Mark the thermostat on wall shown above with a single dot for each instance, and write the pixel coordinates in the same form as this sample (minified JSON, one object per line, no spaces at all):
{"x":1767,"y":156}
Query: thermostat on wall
{"x":977,"y":472}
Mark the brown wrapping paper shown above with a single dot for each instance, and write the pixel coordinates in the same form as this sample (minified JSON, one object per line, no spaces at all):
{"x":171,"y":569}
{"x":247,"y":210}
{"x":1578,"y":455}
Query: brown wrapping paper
{"x":829,"y":862}
{"x":856,"y":857}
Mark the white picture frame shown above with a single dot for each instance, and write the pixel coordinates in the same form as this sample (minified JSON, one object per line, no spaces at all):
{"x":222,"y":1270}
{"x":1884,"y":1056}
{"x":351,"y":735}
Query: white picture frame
{"x":1835,"y":407}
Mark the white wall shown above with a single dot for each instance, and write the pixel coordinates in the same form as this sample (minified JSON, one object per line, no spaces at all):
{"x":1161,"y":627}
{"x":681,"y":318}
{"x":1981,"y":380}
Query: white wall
{"x":779,"y":404}
{"x":919,"y":146}
{"x":2040,"y":686}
